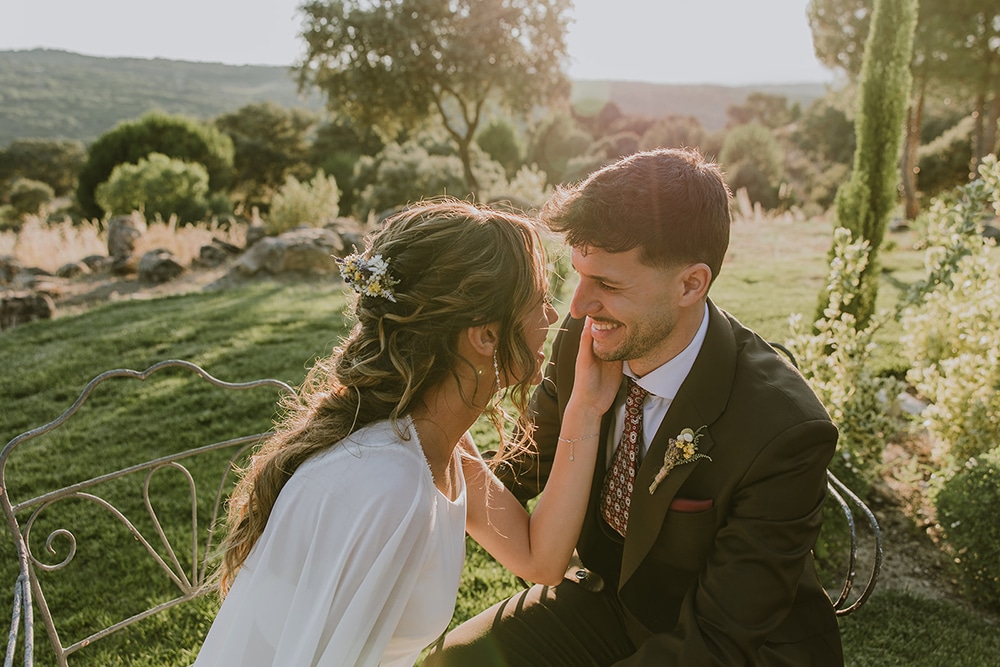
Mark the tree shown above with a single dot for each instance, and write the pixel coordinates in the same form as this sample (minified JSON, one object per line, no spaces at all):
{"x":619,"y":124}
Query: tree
{"x":155,"y":132}
{"x":865,"y":202}
{"x":753,"y":160}
{"x":956,"y":53}
{"x":51,"y":161}
{"x":769,"y":110}
{"x":270,"y":142}
{"x":336,"y":149}
{"x":157,"y":185}
{"x":395,"y":63}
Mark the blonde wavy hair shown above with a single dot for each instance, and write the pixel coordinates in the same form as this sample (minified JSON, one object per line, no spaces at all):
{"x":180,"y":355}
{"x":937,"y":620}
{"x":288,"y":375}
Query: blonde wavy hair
{"x":457,"y":265}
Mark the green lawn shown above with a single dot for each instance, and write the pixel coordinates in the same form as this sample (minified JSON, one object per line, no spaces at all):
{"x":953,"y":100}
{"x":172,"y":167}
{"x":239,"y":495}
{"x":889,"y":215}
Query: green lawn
{"x":276,"y":330}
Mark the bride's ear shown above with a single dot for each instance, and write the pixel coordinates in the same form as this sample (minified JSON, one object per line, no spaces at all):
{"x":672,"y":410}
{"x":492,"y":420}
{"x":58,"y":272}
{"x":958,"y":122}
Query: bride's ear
{"x":483,"y":338}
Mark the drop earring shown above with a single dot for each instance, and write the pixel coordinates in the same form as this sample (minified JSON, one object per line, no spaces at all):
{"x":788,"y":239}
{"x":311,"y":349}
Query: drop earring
{"x":496,"y":371}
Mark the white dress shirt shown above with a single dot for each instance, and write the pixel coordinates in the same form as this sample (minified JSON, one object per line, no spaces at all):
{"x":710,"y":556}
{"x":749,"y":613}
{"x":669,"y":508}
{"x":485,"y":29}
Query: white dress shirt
{"x":662,"y":383}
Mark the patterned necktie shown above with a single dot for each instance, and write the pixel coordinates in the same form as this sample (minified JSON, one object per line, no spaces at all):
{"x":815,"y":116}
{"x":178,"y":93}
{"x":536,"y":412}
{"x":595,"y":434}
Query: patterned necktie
{"x":617,"y":494}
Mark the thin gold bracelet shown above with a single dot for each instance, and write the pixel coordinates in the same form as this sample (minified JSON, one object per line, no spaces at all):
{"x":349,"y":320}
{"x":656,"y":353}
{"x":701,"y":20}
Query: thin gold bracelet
{"x":572,"y":441}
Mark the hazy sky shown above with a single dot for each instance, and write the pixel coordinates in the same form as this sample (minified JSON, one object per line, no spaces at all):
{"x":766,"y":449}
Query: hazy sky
{"x":669,"y":41}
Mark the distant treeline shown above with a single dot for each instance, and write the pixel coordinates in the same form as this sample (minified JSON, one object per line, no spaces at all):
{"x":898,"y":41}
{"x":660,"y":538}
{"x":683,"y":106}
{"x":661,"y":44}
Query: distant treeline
{"x":61,"y":95}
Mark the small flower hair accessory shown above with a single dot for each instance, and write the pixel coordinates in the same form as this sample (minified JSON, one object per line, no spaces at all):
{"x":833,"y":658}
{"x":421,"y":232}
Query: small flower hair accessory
{"x":680,"y":450}
{"x":368,"y":276}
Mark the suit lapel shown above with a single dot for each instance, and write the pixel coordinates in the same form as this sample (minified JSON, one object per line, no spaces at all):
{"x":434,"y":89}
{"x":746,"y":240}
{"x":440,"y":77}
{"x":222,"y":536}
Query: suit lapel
{"x":700,"y":401}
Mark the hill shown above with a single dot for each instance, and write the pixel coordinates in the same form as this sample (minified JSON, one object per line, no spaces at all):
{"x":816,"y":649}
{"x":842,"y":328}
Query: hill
{"x":707,"y":103}
{"x":57,"y":94}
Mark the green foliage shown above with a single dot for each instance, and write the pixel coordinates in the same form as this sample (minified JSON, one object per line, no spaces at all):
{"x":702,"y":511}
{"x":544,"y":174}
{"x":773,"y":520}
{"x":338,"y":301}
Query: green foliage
{"x":270,"y":142}
{"x":825,"y":132}
{"x":966,"y":506}
{"x":156,"y":132}
{"x":835,"y":356}
{"x":297,"y":203}
{"x":952,"y":322}
{"x":555,"y":141}
{"x":27,"y":197}
{"x":865,"y":202}
{"x":51,"y":161}
{"x":501,"y":142}
{"x":421,"y":167}
{"x":158,"y":186}
{"x":673,"y":132}
{"x":771,"y":111}
{"x":944,"y":163}
{"x":753,"y":160}
{"x":396,"y":63}
{"x":336,"y":149}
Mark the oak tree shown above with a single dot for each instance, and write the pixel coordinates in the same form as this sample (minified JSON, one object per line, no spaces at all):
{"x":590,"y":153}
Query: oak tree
{"x":394,"y":63}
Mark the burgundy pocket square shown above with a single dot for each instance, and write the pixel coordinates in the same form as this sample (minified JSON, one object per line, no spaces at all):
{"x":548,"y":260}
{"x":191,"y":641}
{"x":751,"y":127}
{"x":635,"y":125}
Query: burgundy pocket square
{"x":690,"y":505}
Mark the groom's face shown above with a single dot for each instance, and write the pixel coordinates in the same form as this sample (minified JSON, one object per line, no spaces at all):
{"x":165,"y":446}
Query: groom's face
{"x":634,"y":306}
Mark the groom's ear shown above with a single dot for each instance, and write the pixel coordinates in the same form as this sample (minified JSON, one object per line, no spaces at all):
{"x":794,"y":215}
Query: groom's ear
{"x":483,"y":338}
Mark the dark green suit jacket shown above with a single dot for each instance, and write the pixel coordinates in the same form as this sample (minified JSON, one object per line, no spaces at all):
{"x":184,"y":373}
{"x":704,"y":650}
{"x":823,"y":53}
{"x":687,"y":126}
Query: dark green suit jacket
{"x":717,"y":565}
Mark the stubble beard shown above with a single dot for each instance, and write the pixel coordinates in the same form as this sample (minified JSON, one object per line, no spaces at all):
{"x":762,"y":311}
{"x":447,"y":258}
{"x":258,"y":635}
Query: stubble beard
{"x":646,"y":336}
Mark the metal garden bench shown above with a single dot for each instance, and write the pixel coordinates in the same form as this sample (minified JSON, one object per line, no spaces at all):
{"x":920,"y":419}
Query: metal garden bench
{"x":849,"y":503}
{"x":175,"y":543}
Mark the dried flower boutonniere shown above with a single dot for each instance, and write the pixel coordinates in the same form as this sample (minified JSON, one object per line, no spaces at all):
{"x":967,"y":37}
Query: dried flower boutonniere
{"x":682,"y":449}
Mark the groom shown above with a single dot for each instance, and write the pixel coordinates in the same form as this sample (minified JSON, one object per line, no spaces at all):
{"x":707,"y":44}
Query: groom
{"x":706,"y":500}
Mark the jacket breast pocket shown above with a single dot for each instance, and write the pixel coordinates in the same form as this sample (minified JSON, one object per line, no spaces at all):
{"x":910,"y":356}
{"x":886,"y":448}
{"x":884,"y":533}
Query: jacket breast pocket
{"x":686,"y":539}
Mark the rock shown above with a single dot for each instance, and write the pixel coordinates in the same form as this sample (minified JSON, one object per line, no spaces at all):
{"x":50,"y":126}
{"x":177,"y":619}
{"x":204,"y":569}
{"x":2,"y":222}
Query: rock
{"x":97,"y":263}
{"x":351,"y":232}
{"x":307,"y":250}
{"x":20,"y":307}
{"x":9,"y":268}
{"x":211,"y":255}
{"x":72,"y":270}
{"x":122,"y":234}
{"x":255,"y":233}
{"x":158,"y":266}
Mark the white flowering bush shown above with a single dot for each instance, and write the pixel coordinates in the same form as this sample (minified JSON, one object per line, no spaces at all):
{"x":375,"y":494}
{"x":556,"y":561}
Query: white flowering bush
{"x":835,"y":358}
{"x":952,"y":323}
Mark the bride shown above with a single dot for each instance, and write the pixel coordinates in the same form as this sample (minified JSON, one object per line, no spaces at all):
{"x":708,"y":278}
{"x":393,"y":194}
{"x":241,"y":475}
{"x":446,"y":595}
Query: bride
{"x":347,"y":529}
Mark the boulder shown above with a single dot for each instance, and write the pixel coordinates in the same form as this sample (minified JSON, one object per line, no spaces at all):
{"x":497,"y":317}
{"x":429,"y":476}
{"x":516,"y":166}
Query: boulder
{"x":123,"y":231}
{"x":351,"y":232}
{"x":72,"y":270}
{"x":308,"y":250}
{"x":10,"y":266}
{"x":158,"y":266}
{"x":20,"y":307}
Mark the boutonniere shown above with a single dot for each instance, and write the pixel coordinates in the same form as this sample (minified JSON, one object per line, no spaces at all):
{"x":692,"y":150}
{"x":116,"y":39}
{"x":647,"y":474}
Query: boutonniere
{"x":680,"y":450}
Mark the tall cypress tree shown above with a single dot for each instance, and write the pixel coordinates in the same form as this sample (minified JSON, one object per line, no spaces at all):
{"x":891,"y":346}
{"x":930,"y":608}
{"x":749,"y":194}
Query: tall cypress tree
{"x":865,"y":202}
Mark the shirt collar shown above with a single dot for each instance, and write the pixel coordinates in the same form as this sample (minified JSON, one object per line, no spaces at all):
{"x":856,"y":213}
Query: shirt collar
{"x":666,"y":380}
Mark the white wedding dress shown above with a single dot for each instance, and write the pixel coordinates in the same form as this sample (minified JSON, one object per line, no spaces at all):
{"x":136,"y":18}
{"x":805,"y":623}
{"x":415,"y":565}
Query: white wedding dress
{"x":359,"y":563}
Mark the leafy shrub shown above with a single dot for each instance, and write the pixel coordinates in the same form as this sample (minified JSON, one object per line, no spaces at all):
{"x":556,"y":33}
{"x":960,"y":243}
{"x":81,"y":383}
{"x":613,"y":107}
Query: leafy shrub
{"x":835,"y":357}
{"x":673,"y":132}
{"x":27,"y":197}
{"x":944,"y":162}
{"x":55,"y":162}
{"x":556,"y":140}
{"x":298,"y":203}
{"x":157,"y":185}
{"x":500,"y":141}
{"x":156,"y":132}
{"x":966,"y":507}
{"x":753,"y":160}
{"x":952,"y":322}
